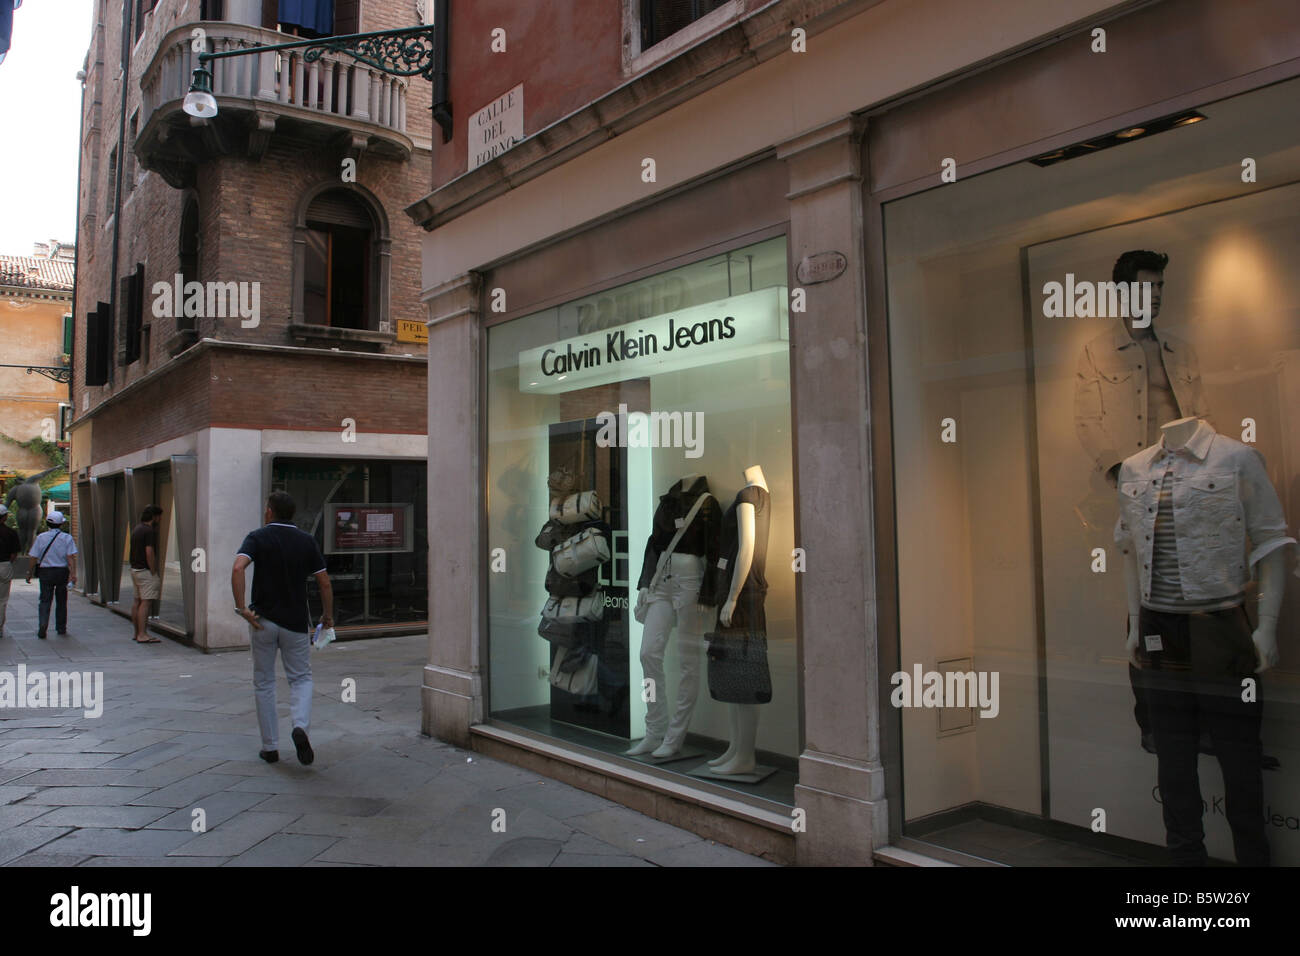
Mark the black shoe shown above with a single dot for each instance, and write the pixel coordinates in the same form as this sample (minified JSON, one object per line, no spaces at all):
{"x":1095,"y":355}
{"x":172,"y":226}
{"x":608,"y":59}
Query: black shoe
{"x":41,"y":635}
{"x":305,"y":754}
{"x":61,"y":633}
{"x":270,"y":756}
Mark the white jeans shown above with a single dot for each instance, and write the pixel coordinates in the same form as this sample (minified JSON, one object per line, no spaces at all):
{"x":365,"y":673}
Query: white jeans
{"x":673,"y":601}
{"x":295,"y":651}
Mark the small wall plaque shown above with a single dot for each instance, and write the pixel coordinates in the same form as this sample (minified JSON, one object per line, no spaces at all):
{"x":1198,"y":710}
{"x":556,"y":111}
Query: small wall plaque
{"x":821,"y":267}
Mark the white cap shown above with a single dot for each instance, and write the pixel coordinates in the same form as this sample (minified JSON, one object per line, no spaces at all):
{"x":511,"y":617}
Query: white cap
{"x":55,"y":517}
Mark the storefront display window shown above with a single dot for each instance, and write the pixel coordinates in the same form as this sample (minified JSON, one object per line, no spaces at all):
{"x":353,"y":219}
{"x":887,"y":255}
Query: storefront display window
{"x":1034,"y":394}
{"x":640,"y":512}
{"x":368,"y":518}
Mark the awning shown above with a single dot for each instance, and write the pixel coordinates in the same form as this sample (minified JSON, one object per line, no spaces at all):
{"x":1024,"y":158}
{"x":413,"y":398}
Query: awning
{"x":315,"y":15}
{"x":61,"y":492}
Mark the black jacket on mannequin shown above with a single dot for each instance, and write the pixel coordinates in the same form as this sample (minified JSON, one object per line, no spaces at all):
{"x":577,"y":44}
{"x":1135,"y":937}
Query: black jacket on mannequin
{"x":701,"y":538}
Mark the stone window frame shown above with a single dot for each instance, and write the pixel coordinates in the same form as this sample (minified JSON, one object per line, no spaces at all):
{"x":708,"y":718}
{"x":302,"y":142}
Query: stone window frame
{"x":636,"y":60}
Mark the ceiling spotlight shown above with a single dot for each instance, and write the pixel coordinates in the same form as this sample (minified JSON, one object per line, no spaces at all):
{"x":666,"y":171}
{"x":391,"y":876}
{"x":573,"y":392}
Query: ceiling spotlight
{"x":1128,"y":135}
{"x":199,"y":101}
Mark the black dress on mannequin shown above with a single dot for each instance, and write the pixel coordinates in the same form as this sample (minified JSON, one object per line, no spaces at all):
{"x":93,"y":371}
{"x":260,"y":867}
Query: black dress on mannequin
{"x":738,"y":672}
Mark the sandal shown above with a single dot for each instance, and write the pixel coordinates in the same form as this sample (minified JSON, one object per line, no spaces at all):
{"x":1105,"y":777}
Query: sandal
{"x":147,"y":640}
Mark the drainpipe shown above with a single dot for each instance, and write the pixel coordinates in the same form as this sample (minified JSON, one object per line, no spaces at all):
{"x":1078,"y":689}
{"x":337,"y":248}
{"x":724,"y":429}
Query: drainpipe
{"x":73,"y":502}
{"x":76,"y":236}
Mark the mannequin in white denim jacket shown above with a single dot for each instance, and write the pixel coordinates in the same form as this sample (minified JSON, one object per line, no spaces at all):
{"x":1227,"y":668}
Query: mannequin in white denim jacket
{"x":1272,"y":577}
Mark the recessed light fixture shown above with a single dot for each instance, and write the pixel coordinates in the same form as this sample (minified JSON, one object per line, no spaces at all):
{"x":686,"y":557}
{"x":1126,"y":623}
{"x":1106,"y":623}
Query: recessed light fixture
{"x":1127,"y":135}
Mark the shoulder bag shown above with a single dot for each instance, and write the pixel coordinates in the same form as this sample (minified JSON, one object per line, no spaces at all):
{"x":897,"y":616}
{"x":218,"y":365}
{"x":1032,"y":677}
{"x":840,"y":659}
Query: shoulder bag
{"x":643,"y":607}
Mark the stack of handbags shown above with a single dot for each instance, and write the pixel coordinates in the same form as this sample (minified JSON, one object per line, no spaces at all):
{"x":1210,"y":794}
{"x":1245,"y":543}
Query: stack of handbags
{"x":578,"y":542}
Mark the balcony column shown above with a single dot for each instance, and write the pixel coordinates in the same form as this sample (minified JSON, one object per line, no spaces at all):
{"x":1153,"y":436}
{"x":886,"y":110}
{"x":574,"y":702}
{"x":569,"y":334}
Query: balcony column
{"x":359,"y":108}
{"x":266,"y":76}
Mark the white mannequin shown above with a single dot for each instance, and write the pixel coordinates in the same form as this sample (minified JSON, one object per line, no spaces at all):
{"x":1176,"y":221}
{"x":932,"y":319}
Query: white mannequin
{"x":689,"y":642}
{"x":742,"y":718}
{"x":1272,"y":574}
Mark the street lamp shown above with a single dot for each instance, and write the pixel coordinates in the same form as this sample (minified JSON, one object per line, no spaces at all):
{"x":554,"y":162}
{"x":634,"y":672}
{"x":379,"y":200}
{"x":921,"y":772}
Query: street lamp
{"x":199,"y":101}
{"x":412,"y":51}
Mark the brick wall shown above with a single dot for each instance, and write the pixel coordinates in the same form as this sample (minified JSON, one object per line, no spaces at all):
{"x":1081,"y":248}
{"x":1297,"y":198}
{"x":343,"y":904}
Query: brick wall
{"x":246,"y":207}
{"x":308,"y":390}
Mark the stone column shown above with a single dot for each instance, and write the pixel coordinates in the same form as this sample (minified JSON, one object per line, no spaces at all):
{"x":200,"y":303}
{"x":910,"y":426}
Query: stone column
{"x":841,"y":780}
{"x":451,"y":696}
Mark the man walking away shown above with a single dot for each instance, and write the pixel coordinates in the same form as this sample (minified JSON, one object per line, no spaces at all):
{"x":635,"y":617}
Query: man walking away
{"x":56,"y":567}
{"x":10,"y":547}
{"x":284,"y":557}
{"x":144,"y":571}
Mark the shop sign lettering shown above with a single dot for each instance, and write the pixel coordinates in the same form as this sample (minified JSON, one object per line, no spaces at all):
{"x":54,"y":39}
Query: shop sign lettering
{"x":497,"y":127}
{"x":738,"y":327}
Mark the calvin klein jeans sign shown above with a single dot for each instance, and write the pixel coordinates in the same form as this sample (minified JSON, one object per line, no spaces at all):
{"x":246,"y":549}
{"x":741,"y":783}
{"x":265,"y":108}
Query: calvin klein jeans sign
{"x":741,"y":326}
{"x":496,"y":127}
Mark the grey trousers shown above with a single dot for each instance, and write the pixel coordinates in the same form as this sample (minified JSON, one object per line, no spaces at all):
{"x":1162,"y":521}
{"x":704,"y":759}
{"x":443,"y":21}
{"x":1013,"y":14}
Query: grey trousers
{"x":295,"y":651}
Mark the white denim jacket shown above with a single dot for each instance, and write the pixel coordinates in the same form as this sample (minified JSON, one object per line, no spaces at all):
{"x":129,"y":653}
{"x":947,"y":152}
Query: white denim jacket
{"x":1221,"y":497}
{"x":1110,"y":393}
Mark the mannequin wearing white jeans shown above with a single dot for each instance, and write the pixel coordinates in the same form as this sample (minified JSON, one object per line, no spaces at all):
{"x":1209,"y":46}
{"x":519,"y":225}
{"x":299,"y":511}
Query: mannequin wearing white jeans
{"x":674,"y":600}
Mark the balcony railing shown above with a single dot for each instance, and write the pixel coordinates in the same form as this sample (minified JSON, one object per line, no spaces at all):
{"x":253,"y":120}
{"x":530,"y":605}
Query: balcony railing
{"x":333,"y":90}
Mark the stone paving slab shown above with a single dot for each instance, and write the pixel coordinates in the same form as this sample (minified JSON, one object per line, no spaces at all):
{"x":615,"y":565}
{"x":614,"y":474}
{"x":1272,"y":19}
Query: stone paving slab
{"x":117,"y":842}
{"x":239,"y":833}
{"x":217,"y":809}
{"x":87,"y":796}
{"x":284,"y":849}
{"x":126,"y":818}
{"x":179,"y":734}
{"x":20,"y":840}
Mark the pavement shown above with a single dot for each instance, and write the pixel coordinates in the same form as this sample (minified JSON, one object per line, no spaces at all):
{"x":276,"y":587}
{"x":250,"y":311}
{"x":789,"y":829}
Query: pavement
{"x":168,"y":774}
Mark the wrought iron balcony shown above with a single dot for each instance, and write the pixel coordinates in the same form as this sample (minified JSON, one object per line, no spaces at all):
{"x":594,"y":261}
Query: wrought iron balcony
{"x":330,"y":100}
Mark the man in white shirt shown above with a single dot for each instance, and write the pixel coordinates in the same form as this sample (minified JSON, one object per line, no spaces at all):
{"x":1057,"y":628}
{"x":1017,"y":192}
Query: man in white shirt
{"x":55,"y":553}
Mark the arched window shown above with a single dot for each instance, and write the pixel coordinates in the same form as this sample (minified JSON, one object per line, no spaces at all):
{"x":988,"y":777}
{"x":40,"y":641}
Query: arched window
{"x":341,"y":261}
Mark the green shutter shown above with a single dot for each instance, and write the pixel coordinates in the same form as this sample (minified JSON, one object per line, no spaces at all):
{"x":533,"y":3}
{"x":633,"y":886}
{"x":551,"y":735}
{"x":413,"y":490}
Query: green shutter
{"x":67,"y":335}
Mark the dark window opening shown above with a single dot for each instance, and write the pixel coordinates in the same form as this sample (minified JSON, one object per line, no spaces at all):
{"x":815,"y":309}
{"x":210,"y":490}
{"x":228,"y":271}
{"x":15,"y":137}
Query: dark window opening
{"x":99,"y":339}
{"x":131,"y":305}
{"x":111,"y":191}
{"x":660,"y":19}
{"x":337,"y":279}
{"x":212,"y":10}
{"x":129,"y":171}
{"x":340,"y":266}
{"x":189,"y":256}
{"x":141,"y":8}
